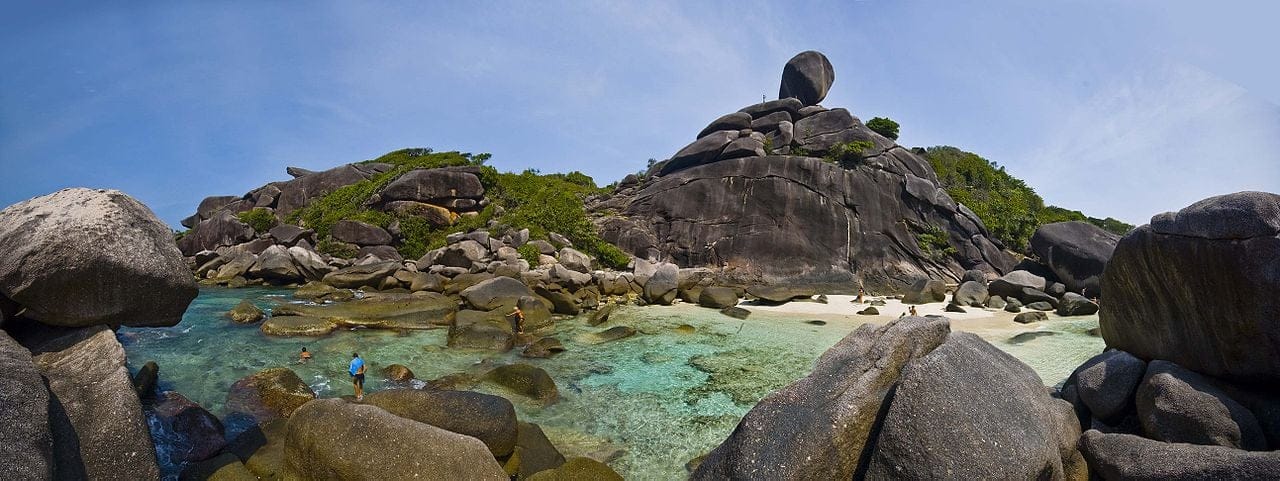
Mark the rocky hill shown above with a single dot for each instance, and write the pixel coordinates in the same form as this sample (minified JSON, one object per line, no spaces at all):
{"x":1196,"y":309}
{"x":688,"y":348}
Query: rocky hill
{"x":789,"y":191}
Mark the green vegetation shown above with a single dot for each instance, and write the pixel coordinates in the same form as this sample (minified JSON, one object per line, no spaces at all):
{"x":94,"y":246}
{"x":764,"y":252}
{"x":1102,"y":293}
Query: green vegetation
{"x":884,"y":126}
{"x":260,"y":219}
{"x":540,"y":203}
{"x":334,"y":248}
{"x":1009,"y":208}
{"x":529,"y":253}
{"x":934,"y":242}
{"x":848,"y":154}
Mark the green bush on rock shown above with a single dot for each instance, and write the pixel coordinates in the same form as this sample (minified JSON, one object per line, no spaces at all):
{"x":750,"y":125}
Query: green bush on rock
{"x":884,"y":126}
{"x":260,"y":219}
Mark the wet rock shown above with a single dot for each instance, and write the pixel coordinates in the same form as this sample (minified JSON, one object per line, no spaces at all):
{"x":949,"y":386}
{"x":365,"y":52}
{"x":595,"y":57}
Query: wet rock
{"x":525,"y":380}
{"x":735,"y":312}
{"x":1196,"y":287}
{"x":1025,"y":337}
{"x":578,"y":468}
{"x":297,"y":326}
{"x":1179,"y":406}
{"x":268,"y":394}
{"x":318,"y":445}
{"x":245,"y":313}
{"x":491,"y":419}
{"x":1030,"y":317}
{"x":397,"y":373}
{"x":601,"y":315}
{"x":144,"y":381}
{"x":612,"y":334}
{"x":481,"y":330}
{"x":816,"y":323}
{"x":81,"y":257}
{"x":1129,"y":457}
{"x":199,"y":431}
{"x":954,"y":308}
{"x":534,"y":453}
{"x":1106,"y":384}
{"x":543,"y":348}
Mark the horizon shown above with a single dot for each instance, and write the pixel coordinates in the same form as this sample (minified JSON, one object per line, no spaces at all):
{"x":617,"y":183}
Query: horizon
{"x":176,"y":102}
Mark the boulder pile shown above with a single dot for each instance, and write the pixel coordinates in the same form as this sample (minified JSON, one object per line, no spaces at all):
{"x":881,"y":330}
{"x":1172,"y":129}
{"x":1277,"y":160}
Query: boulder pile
{"x":1188,"y":389}
{"x":788,"y":192}
{"x":73,"y":265}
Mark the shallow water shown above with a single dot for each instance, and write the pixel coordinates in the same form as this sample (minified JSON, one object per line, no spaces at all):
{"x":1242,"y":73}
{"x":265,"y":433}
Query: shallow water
{"x":645,"y":404}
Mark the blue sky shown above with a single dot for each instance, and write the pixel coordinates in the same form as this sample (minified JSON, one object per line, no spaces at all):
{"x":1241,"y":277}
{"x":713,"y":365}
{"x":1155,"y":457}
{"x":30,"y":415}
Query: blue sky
{"x":1119,"y":109}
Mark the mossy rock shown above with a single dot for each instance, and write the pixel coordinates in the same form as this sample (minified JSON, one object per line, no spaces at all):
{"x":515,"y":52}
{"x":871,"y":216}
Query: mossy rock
{"x":245,"y":313}
{"x":578,"y":469}
{"x":611,"y":334}
{"x":525,"y":380}
{"x":422,"y":310}
{"x":319,"y":291}
{"x":297,"y":326}
{"x":269,"y":394}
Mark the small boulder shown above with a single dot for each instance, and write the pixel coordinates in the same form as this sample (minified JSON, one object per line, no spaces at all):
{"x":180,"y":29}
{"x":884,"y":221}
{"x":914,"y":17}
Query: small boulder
{"x":281,"y":325}
{"x":245,"y":313}
{"x":269,"y":394}
{"x":1107,"y":382}
{"x":397,"y":373}
{"x":1010,"y":285}
{"x":495,"y":293}
{"x":1073,"y":304}
{"x":717,"y":297}
{"x":774,"y":294}
{"x":601,"y":315}
{"x":735,"y":312}
{"x":1030,"y":317}
{"x":144,"y":381}
{"x":1176,"y":405}
{"x":525,"y":380}
{"x":199,"y":432}
{"x":612,"y":334}
{"x":661,"y":286}
{"x":971,"y":293}
{"x":362,"y":275}
{"x":925,"y":291}
{"x":870,"y":311}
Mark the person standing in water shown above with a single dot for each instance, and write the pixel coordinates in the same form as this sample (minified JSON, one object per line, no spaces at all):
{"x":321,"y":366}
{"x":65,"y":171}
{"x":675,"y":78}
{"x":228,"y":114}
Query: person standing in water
{"x":357,"y":374}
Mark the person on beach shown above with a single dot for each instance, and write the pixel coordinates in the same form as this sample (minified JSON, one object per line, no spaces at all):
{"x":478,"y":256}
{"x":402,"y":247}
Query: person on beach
{"x":357,"y":374}
{"x":860,"y":294}
{"x":913,"y":311}
{"x":518,"y":317}
{"x":304,"y":357}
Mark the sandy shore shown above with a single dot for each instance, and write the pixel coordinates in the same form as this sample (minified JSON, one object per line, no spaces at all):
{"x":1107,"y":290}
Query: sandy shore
{"x":842,"y":310}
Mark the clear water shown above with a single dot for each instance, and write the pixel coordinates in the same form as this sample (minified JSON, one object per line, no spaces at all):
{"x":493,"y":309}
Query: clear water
{"x":645,"y":404}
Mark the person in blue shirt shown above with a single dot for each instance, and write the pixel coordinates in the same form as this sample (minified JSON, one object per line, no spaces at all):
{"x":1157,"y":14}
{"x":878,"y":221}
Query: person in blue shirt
{"x":357,"y":374}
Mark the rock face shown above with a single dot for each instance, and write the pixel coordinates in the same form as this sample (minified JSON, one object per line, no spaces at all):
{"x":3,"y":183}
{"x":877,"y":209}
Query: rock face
{"x":872,"y":405}
{"x":765,"y":207}
{"x":95,"y":417}
{"x":1076,"y":251}
{"x":28,"y":445}
{"x":1197,"y":287}
{"x":807,"y":77}
{"x":333,"y":439}
{"x":80,"y":257}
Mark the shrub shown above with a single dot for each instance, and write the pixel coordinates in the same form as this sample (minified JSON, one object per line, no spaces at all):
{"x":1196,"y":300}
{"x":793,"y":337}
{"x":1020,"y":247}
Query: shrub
{"x":884,"y":126}
{"x":529,"y":253}
{"x":935,"y":243}
{"x":334,"y":248}
{"x":849,"y":153}
{"x":261,"y":219}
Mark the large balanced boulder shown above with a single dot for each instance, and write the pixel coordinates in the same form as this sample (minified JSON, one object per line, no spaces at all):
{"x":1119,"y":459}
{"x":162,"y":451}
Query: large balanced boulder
{"x":1127,"y":457}
{"x":28,"y":445}
{"x":807,"y":77}
{"x":269,"y":394}
{"x":491,"y":419}
{"x":95,"y":417}
{"x":1198,"y":288}
{"x":526,"y":380}
{"x":334,"y":439}
{"x":1179,"y":406}
{"x":1076,"y":251}
{"x":80,"y":257}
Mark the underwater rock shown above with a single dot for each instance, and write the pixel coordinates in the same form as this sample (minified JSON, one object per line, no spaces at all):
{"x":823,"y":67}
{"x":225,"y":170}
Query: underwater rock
{"x":612,"y":334}
{"x":1030,"y":317}
{"x":543,"y":348}
{"x":735,"y":312}
{"x":1028,"y":336}
{"x":526,"y":380}
{"x":397,"y":373}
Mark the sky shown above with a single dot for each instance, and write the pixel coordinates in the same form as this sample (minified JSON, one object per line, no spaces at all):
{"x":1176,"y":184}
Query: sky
{"x":1117,"y":109}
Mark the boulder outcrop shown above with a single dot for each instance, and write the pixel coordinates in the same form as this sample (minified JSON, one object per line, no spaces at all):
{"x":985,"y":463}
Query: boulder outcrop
{"x":1197,"y":287}
{"x":80,"y":257}
{"x":1076,"y":252}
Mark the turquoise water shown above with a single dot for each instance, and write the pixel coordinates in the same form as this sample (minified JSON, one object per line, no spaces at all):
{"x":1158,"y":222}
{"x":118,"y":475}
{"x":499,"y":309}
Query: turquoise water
{"x":645,"y":404}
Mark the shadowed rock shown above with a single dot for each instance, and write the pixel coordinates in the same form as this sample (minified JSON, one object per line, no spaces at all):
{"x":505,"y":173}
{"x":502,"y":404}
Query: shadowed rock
{"x":1129,"y":457}
{"x":807,"y":77}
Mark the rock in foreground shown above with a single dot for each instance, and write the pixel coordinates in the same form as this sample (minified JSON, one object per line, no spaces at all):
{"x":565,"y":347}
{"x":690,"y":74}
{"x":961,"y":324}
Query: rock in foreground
{"x":333,"y":439}
{"x":80,"y":257}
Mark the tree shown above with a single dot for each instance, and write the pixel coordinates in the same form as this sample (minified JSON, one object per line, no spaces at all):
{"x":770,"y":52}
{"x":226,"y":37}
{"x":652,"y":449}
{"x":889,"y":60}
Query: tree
{"x":884,"y":126}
